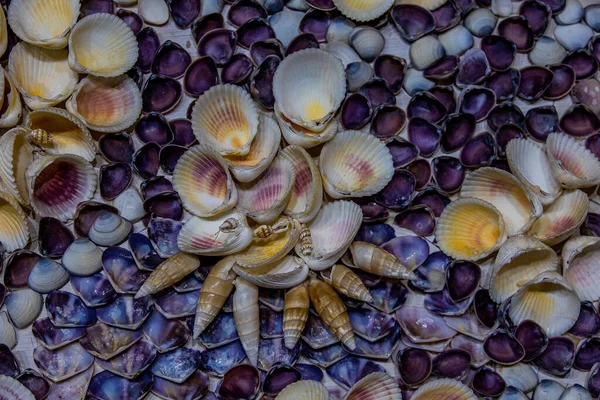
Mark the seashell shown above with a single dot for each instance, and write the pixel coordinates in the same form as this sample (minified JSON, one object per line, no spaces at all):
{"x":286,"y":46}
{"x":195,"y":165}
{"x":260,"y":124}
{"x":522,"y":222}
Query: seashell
{"x":8,"y":335}
{"x":587,"y":323}
{"x":23,"y":307}
{"x":440,"y":388}
{"x":133,"y":362}
{"x":299,"y":136}
{"x":547,"y":51}
{"x":47,"y":275}
{"x":161,"y":94}
{"x":226,"y":118}
{"x":375,"y":260}
{"x":572,"y":164}
{"x":358,"y":74}
{"x":10,"y":94}
{"x":279,"y":377}
{"x":578,"y":258}
{"x":377,"y":385}
{"x":240,"y":382}
{"x":72,"y":387}
{"x":109,"y":229}
{"x":154,"y":12}
{"x":363,"y":10}
{"x":130,"y":205}
{"x":592,"y":17}
{"x":412,"y":21}
{"x":562,"y":81}
{"x":470,"y":229}
{"x":573,"y":37}
{"x":95,"y":290}
{"x":481,"y":22}
{"x":295,"y":314}
{"x":106,"y":385}
{"x":59,"y":365}
{"x":254,"y":30}
{"x":339,"y":30}
{"x":171,"y":60}
{"x":273,"y":351}
{"x":283,"y":274}
{"x":105,"y":341}
{"x":221,"y":331}
{"x":67,"y":310}
{"x":30,"y":22}
{"x":246,"y":314}
{"x":166,"y":335}
{"x":454,"y":42}
{"x":132,"y":19}
{"x":41,"y":75}
{"x":414,"y":81}
{"x":35,"y":383}
{"x":285,"y":25}
{"x":572,"y":14}
{"x":557,"y":359}
{"x":194,"y":387}
{"x":304,"y":390}
{"x":368,"y":42}
{"x":169,"y":272}
{"x":102,"y":45}
{"x":15,"y":232}
{"x":426,"y":51}
{"x":125,"y":312}
{"x":348,"y":283}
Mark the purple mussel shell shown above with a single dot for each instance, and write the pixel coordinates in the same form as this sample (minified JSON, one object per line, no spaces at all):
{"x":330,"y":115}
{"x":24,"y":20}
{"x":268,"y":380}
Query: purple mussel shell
{"x":381,"y":349}
{"x":316,"y":334}
{"x":254,"y":30}
{"x":412,"y":21}
{"x":413,"y":365}
{"x":271,"y":323}
{"x":419,"y":219}
{"x":108,"y":386}
{"x":446,"y":16}
{"x":68,"y":310}
{"x":477,"y":101}
{"x":583,"y":63}
{"x":154,"y":127}
{"x":588,"y":354}
{"x":184,"y":12}
{"x":373,"y":212}
{"x":95,"y":290}
{"x":2,"y":294}
{"x":422,"y":171}
{"x":37,"y":385}
{"x":378,"y":92}
{"x":474,"y":68}
{"x":441,"y":303}
{"x":218,"y":44}
{"x":273,"y":351}
{"x":134,"y":21}
{"x":316,"y":22}
{"x":54,"y":237}
{"x":391,"y":69}
{"x":165,"y":334}
{"x":310,"y":372}
{"x":137,"y":75}
{"x":262,"y":49}
{"x":388,"y":120}
{"x":200,"y":76}
{"x":505,"y":113}
{"x":183,"y":134}
{"x":403,"y":152}
{"x":105,"y":341}
{"x":533,"y":339}
{"x":72,"y":388}
{"x":171,"y":60}
{"x":563,"y":81}
{"x":371,"y":324}
{"x":325,"y":356}
{"x":218,"y":360}
{"x":144,"y":254}
{"x":237,"y":70}
{"x":479,"y":150}
{"x":487,"y":382}
{"x":116,"y":147}
{"x":432,"y":198}
{"x":443,"y":69}
{"x":593,"y":381}
{"x":445,"y":95}
{"x":588,"y":322}
{"x":503,"y":348}
{"x":160,"y":94}
{"x":168,"y":157}
{"x":452,"y":363}
{"x":261,"y":81}
{"x":8,"y":362}
{"x":186,"y":359}
{"x":148,"y":44}
{"x":425,"y":105}
{"x":541,"y":122}
{"x":114,"y":179}
{"x":122,"y":271}
{"x":163,"y":234}
{"x":462,"y":279}
{"x":324,"y":5}
{"x":240,"y":382}
{"x":499,"y":50}
{"x":579,"y":121}
{"x":425,"y":135}
{"x":504,"y":83}
{"x":53,"y":337}
{"x":534,"y":82}
{"x":558,"y":357}
{"x":356,"y":111}
{"x":132,"y":362}
{"x":518,"y":30}
{"x":377,"y":234}
{"x":411,"y":251}
{"x":89,"y":7}
{"x":538,"y":15}
{"x":125,"y":312}
{"x":505,"y":134}
{"x":448,"y":173}
{"x":351,"y":369}
{"x":146,"y":160}
{"x":193,"y":388}
{"x":398,"y":193}
{"x":456,"y":131}
{"x":556,"y":6}
{"x":61,"y":364}
{"x":431,"y":275}
{"x":205,"y":24}
{"x":244,"y":10}
{"x":388,"y":296}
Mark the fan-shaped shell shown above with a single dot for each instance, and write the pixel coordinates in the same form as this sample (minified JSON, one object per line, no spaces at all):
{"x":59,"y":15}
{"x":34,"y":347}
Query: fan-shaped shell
{"x":10,"y":94}
{"x":580,"y":258}
{"x":298,"y":135}
{"x":15,"y":390}
{"x":16,"y":154}
{"x":375,"y":386}
{"x":363,"y":10}
{"x":572,"y":164}
{"x":14,"y":231}
{"x":3,"y":34}
{"x":304,"y":390}
{"x":282,"y":274}
{"x":444,"y":388}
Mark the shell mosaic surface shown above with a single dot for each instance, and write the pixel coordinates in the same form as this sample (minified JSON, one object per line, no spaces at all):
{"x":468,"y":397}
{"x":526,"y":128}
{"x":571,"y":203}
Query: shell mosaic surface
{"x":300,"y":199}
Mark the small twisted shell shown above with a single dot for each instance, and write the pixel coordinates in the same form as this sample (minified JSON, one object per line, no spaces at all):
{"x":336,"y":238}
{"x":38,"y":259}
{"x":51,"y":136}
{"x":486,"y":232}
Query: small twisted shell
{"x":40,"y":136}
{"x":348,"y":283}
{"x":370,"y":258}
{"x":332,"y":311}
{"x":213,"y":295}
{"x":246,"y":315}
{"x":306,"y":240}
{"x":295,"y":314}
{"x":170,"y":271}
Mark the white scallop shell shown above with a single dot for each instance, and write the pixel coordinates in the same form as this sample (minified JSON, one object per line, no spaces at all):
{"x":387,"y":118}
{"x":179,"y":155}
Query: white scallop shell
{"x":580,"y":260}
{"x":13,"y":389}
{"x":282,"y":274}
{"x":304,"y":390}
{"x":572,"y":164}
{"x":300,"y":136}
{"x":438,"y":389}
{"x":12,"y":115}
{"x":363,"y":10}
{"x":427,"y":4}
{"x":3,"y":34}
{"x":339,"y":29}
{"x":428,"y":50}
{"x":14,"y":230}
{"x":375,"y":386}
{"x":16,"y":154}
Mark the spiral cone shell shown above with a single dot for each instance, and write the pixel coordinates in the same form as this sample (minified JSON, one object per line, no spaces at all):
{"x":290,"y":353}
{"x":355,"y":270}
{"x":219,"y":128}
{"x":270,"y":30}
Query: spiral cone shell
{"x":349,"y":284}
{"x":246,"y":315}
{"x":295,"y":314}
{"x":372,"y":259}
{"x":169,"y":272}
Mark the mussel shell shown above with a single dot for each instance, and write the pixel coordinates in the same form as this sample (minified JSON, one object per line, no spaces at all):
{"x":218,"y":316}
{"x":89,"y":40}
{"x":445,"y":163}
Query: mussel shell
{"x":563,"y":81}
{"x":558,"y":357}
{"x":148,"y":44}
{"x":504,"y":83}
{"x":518,"y":30}
{"x":116,"y":147}
{"x":540,"y":122}
{"x":161,"y":94}
{"x":54,"y":237}
{"x":170,"y":60}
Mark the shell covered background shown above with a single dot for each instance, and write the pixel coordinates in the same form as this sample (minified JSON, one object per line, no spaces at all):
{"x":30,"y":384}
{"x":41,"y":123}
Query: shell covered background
{"x":427,"y":181}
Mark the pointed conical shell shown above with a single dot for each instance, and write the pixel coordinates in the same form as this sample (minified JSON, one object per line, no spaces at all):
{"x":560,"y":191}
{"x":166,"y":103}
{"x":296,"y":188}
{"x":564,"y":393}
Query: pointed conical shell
{"x":16,"y":154}
{"x":519,"y":260}
{"x":332,"y":311}
{"x":246,"y":315}
{"x":44,"y":23}
{"x":66,"y":134}
{"x":298,"y":135}
{"x":470,"y":229}
{"x":282,"y":274}
{"x":355,"y":164}
{"x":225,"y":234}
{"x":332,"y":232}
{"x":561,"y":218}
{"x":518,"y":206}
{"x":572,"y":164}
{"x":307,"y":194}
{"x":580,"y":260}
{"x":547,"y":300}
{"x":214,"y":293}
{"x":530,"y":164}
{"x":42,"y":75}
{"x":304,"y":390}
{"x":375,"y":386}
{"x":106,"y":104}
{"x":295,"y":314}
{"x":370,"y":258}
{"x":203,"y":182}
{"x":13,"y":108}
{"x":266,"y":197}
{"x":169,"y":272}
{"x":349,"y":284}
{"x":102,"y":45}
{"x":12,"y":389}
{"x":226,"y":118}
{"x":309,"y":86}
{"x":262,"y":151}
{"x":363,"y":10}
{"x":438,"y":389}
{"x":14,"y":230}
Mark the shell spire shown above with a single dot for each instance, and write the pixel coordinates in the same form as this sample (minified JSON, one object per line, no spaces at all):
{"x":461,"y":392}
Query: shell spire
{"x":295,"y":314}
{"x":349,"y":284}
{"x":170,"y":271}
{"x":370,"y":258}
{"x":246,"y":315}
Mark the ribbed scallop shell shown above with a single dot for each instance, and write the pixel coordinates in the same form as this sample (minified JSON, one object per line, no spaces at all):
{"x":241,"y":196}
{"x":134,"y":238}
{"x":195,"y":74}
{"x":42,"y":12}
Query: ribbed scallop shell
{"x":300,"y":136}
{"x":363,"y":10}
{"x":427,"y":4}
{"x":246,"y":315}
{"x":355,"y":164}
{"x":529,"y":163}
{"x":518,"y":206}
{"x":225,"y":234}
{"x":12,"y":389}
{"x":332,"y":232}
{"x":16,"y":154}
{"x":438,"y":389}
{"x":518,"y":261}
{"x":572,"y":164}
{"x":66,"y":134}
{"x":42,"y":75}
{"x":57,"y":184}
{"x":106,"y":104}
{"x":282,"y":274}
{"x":262,"y":151}
{"x":580,"y":260}
{"x":44,"y":23}
{"x":203,"y":182}
{"x":14,"y":231}
{"x":561,"y":218}
{"x":375,"y":386}
{"x":226,"y":118}
{"x":547,"y":300}
{"x":309,"y":86}
{"x":10,"y":93}
{"x":295,"y":314}
{"x":3,"y":35}
{"x":102,"y":45}
{"x":470,"y":229}
{"x":266,"y":197}
{"x":304,"y":390}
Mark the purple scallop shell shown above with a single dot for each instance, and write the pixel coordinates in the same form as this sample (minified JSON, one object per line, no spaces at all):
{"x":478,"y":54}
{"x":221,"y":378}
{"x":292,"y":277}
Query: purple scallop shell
{"x":371,"y":324}
{"x":217,"y":361}
{"x":488,"y":382}
{"x":588,"y":354}
{"x":583,"y":63}
{"x":373,"y":212}
{"x":146,"y":160}
{"x":463,"y":278}
{"x":431,"y":275}
{"x":301,"y":42}
{"x":165,"y":334}
{"x":425,"y":135}
{"x":356,"y":111}
{"x":412,"y":21}
{"x":474,"y":68}
{"x":171,"y":60}
{"x":219,"y":44}
{"x":391,"y":69}
{"x":244,"y":10}
{"x":262,"y":49}
{"x":136,"y":74}
{"x":160,"y":94}
{"x":237,"y":70}
{"x":533,"y":339}
{"x":148,"y":44}
{"x":146,"y":257}
{"x":168,"y":157}
{"x":505,"y":113}
{"x":108,"y":386}
{"x":200,"y":76}
{"x":588,"y":322}
{"x":479,"y":151}
{"x":413,"y":365}
{"x":325,"y":5}
{"x":271,"y":323}
{"x":52,"y":337}
{"x":446,"y":16}
{"x":254,"y":30}
{"x":316,"y":22}
{"x":125,"y":312}
{"x":556,"y":6}
{"x":445,"y":95}
{"x":184,"y":12}
{"x":378,"y":92}
{"x":403,"y":152}
{"x":388,"y":296}
{"x":579,"y":121}
{"x":186,"y":359}
{"x":154,"y":127}
{"x":388,"y":120}
{"x":132,"y":362}
{"x":193,"y":388}
{"x":114,"y":179}
{"x":443,"y":69}
{"x":134,"y":21}
{"x":89,"y":7}
{"x":205,"y":24}
{"x":95,"y":290}
{"x":53,"y":237}
{"x":558,"y":357}
{"x":505,"y":134}
{"x":116,"y":147}
{"x":504,"y":83}
{"x":541,"y":122}
{"x":183,"y":135}
{"x":221,"y":331}
{"x":381,"y":349}
{"x":503,"y":348}
{"x":500,"y":51}
{"x":273,"y":351}
{"x":432,"y":198}
{"x":8,"y":362}
{"x":397,"y":195}
{"x":538,"y":15}
{"x":411,"y":251}
{"x":316,"y":334}
{"x":452,"y":363}
{"x":261,"y":81}
{"x":534,"y":82}
{"x":309,"y":372}
{"x":37,"y":385}
{"x":163,"y":233}
{"x":441,"y":303}
{"x":478,"y":101}
{"x":325,"y":356}
{"x":240,"y":382}
{"x":448,"y":173}
{"x":122,"y":271}
{"x":376,"y":234}
{"x":563,"y":81}
{"x":419,"y":219}
{"x":427,"y":106}
{"x":456,"y":131}
{"x":154,"y":186}
{"x":68,"y":310}
{"x":422,"y":171}
{"x":351,"y":369}
{"x":518,"y":30}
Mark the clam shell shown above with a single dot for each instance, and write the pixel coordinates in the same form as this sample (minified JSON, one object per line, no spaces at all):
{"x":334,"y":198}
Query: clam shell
{"x":47,"y":275}
{"x":298,"y":135}
{"x":304,"y":390}
{"x":130,"y":205}
{"x":105,"y":341}
{"x":226,"y":118}
{"x":23,"y":307}
{"x":579,"y":258}
{"x":455,"y":42}
{"x":42,"y":75}
{"x":31,"y":21}
{"x":309,"y":86}
{"x":106,"y":104}
{"x":426,"y":51}
{"x":282,"y":274}
{"x":444,"y":388}
{"x":547,"y":51}
{"x":367,"y":41}
{"x":481,"y":22}
{"x":470,"y":229}
{"x":109,"y":229}
{"x":10,"y":94}
{"x":572,"y":164}
{"x":14,"y":232}
{"x":363,"y":10}
{"x":8,"y":335}
{"x":102,"y":45}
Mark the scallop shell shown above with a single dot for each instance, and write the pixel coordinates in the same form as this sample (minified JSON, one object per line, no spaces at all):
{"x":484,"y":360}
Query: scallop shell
{"x":363,"y":10}
{"x":203,"y":182}
{"x":530,"y":164}
{"x":102,"y":45}
{"x":10,"y":93}
{"x":57,"y":184}
{"x":106,"y":104}
{"x":355,"y":164}
{"x":282,"y":274}
{"x":304,"y":390}
{"x":518,"y":261}
{"x":262,"y":151}
{"x":169,"y":272}
{"x":375,"y":386}
{"x":580,"y":257}
{"x":218,"y":236}
{"x":470,"y":229}
{"x":44,"y":23}
{"x":309,"y":86}
{"x":427,"y":4}
{"x":298,"y":135}
{"x":572,"y":164}
{"x":16,"y":154}
{"x":518,"y":206}
{"x":561,"y":218}
{"x":332,"y":232}
{"x":14,"y":231}
{"x":226,"y":118}
{"x":266,"y":197}
{"x":42,"y":75}
{"x":437,"y":389}
{"x":547,"y":300}
{"x":12,"y":389}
